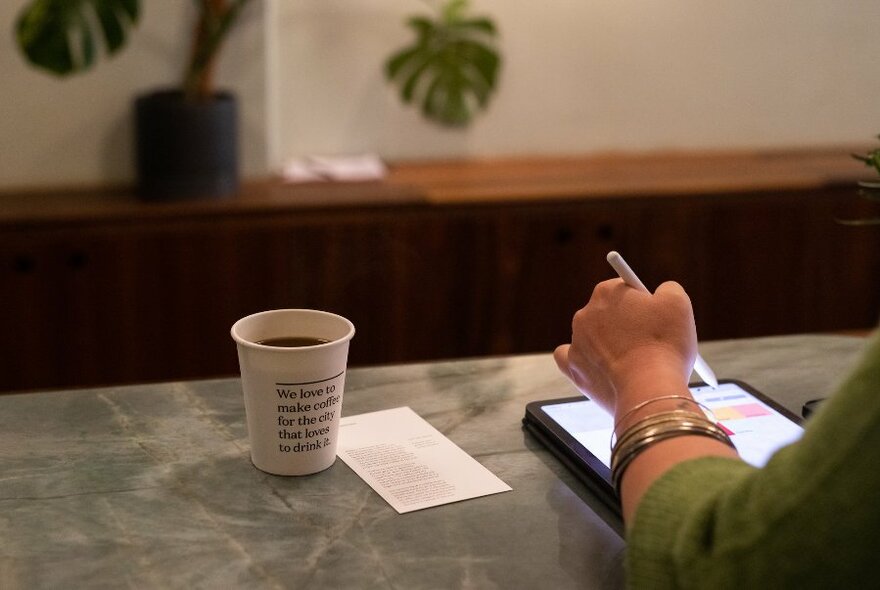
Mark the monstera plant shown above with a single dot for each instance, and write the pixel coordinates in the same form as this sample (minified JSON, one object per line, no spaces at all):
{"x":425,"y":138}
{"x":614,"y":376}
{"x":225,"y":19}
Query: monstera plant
{"x":66,"y":36}
{"x":451,"y":69}
{"x":186,"y":135}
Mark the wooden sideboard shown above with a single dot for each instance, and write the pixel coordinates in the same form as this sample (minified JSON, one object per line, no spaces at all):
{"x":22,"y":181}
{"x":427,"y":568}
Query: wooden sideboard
{"x":439,"y":260}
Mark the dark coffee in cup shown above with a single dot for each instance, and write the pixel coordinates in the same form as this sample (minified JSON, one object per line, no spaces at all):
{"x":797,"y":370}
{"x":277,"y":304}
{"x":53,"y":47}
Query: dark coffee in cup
{"x":292,"y":341}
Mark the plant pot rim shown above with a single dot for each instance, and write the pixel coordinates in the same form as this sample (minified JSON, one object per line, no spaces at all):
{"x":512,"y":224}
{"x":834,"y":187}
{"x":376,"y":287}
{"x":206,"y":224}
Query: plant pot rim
{"x":175,"y":95}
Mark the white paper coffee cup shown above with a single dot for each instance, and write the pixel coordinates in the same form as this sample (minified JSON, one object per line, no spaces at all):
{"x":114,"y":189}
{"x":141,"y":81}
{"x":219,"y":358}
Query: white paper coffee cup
{"x":293,"y":395}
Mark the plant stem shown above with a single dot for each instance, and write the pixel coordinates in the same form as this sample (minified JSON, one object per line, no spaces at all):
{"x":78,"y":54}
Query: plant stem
{"x":214,"y":22}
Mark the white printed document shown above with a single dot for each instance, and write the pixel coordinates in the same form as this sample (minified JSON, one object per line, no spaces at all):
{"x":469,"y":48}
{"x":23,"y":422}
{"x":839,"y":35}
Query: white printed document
{"x":409,"y":462}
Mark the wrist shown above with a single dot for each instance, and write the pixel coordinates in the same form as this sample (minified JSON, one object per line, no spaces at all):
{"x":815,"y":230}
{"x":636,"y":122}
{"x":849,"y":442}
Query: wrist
{"x":640,"y":385}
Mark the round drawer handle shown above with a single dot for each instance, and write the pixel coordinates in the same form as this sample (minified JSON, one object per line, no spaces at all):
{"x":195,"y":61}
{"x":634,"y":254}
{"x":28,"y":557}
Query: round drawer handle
{"x":77,"y":260}
{"x":24,"y":264}
{"x":605,"y":232}
{"x":564,"y":235}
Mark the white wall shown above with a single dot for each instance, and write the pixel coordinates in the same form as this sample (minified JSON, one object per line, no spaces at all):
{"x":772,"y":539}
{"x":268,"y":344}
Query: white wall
{"x":578,"y":77}
{"x":595,"y":75}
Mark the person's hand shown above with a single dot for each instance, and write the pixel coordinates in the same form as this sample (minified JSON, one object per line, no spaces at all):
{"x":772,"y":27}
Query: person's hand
{"x":628,"y":345}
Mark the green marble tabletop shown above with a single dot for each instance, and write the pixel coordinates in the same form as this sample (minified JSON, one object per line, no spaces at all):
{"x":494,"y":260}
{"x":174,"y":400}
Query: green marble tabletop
{"x":151,"y":486}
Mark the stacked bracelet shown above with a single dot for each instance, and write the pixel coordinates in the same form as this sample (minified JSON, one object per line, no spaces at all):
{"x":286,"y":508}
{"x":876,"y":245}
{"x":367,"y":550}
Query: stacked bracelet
{"x":641,"y":405}
{"x":658,"y":427}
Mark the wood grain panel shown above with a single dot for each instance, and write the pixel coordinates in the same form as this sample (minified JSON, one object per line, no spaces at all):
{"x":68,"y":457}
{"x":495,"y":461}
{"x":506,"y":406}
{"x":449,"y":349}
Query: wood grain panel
{"x":434,"y":263}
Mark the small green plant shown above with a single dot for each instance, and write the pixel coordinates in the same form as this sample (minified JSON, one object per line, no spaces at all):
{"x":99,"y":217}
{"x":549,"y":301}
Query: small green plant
{"x":869,"y":190}
{"x":451,"y":68}
{"x":66,"y":36}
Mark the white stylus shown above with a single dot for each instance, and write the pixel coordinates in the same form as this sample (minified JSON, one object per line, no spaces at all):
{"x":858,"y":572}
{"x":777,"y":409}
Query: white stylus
{"x":629,"y":277}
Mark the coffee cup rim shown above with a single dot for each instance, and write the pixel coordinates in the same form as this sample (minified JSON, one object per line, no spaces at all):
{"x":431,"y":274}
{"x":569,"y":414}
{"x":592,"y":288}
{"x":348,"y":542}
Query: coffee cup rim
{"x":239,"y":339}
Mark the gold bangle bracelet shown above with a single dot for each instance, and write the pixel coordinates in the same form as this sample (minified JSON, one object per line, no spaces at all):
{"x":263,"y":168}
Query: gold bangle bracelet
{"x":648,"y":402}
{"x":644,"y":433}
{"x":621,"y":466}
{"x":668,"y":421}
{"x":707,"y":412}
{"x":660,"y":417}
{"x":651,"y":426}
{"x":625,"y":452}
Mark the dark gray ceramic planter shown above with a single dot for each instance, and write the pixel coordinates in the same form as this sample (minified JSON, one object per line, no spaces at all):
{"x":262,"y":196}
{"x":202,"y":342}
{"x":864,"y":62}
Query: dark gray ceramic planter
{"x":186,"y":150}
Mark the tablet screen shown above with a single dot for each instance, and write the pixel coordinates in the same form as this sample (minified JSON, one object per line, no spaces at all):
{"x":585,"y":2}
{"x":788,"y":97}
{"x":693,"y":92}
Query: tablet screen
{"x":756,"y":428}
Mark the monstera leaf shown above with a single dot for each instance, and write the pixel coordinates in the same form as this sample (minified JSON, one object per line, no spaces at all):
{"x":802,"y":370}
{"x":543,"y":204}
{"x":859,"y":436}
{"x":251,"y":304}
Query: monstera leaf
{"x":63,"y":36}
{"x":868,"y":189}
{"x":452,"y":67}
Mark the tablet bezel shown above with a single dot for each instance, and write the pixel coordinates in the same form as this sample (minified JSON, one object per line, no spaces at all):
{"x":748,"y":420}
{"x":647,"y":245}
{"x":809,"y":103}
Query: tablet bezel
{"x":586,"y":466}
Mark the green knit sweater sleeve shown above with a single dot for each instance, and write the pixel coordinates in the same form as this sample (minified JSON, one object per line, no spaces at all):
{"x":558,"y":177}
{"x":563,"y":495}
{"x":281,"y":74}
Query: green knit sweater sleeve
{"x":810,"y":518}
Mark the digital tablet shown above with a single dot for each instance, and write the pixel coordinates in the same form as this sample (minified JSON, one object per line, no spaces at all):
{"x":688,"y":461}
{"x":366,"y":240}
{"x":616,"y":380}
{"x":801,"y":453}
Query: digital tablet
{"x":578,"y":431}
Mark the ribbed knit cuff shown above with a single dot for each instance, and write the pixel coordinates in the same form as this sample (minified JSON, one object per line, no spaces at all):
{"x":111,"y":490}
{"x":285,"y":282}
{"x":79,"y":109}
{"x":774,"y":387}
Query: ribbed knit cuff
{"x":659,"y":532}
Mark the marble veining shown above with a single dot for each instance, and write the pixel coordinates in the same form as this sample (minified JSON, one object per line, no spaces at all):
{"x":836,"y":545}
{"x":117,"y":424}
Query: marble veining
{"x":151,"y":486}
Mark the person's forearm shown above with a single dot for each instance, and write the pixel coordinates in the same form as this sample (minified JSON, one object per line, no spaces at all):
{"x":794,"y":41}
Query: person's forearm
{"x":639,"y":397}
{"x":659,"y":458}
